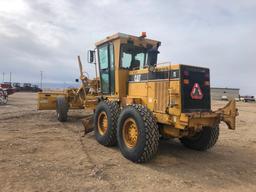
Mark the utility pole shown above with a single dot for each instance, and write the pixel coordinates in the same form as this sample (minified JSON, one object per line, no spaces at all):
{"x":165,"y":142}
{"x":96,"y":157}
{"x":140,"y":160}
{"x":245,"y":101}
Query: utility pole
{"x":41,"y":79}
{"x":10,"y":77}
{"x":3,"y":76}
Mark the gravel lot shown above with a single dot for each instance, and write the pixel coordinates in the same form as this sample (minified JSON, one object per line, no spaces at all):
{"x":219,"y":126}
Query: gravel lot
{"x":38,"y":153}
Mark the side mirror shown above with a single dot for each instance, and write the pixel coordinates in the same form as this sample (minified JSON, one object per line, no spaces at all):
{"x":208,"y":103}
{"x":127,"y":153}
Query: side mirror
{"x":91,"y":56}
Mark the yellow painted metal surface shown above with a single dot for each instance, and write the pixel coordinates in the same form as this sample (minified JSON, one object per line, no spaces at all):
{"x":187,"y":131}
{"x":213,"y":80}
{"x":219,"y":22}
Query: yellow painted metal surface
{"x":137,"y":89}
{"x":90,"y":102}
{"x":130,"y":133}
{"x":228,"y":114}
{"x":161,"y":96}
{"x":125,"y":37}
{"x":47,"y":100}
{"x":175,"y":98}
{"x":102,"y":123}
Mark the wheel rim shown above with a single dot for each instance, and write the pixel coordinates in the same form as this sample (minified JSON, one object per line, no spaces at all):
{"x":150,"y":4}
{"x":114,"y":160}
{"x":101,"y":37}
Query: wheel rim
{"x":130,"y":133}
{"x":102,"y":123}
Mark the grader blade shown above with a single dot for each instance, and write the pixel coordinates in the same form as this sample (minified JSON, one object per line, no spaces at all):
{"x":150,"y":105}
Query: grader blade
{"x":47,"y":100}
{"x":88,"y":124}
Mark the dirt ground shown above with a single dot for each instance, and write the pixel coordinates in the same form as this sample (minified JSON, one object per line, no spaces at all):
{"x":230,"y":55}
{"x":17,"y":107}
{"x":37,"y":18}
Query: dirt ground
{"x":38,"y":153}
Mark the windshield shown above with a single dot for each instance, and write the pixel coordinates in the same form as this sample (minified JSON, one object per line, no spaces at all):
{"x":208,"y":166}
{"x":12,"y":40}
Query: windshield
{"x":133,"y":57}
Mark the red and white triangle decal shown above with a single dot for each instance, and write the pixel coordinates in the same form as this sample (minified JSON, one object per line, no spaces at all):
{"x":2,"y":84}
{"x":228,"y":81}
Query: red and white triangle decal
{"x":196,"y":92}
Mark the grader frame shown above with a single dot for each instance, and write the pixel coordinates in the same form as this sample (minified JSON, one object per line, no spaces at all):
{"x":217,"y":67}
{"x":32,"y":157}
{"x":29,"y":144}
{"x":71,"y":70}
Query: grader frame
{"x":134,"y":100}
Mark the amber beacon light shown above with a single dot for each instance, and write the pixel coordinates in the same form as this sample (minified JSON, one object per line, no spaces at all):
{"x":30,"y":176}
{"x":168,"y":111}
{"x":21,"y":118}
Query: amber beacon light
{"x":143,"y":34}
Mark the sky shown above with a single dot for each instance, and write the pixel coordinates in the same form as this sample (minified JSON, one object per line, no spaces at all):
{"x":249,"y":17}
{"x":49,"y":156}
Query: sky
{"x":39,"y":35}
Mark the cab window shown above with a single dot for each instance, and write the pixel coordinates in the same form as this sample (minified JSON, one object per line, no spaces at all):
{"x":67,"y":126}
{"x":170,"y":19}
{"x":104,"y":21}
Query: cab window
{"x":133,"y":57}
{"x":106,"y":68}
{"x":103,"y":57}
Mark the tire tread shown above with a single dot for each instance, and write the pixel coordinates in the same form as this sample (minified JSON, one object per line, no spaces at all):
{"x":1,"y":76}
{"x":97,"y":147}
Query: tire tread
{"x":62,"y":108}
{"x":114,"y":109}
{"x":207,"y":140}
{"x":151,"y":133}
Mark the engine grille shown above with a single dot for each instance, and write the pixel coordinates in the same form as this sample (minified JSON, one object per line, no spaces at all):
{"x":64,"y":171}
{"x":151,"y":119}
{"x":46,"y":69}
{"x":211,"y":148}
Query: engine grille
{"x":161,"y":96}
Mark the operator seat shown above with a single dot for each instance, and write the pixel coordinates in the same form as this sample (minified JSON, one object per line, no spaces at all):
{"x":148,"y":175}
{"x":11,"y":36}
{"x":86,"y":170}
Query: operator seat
{"x":135,"y":64}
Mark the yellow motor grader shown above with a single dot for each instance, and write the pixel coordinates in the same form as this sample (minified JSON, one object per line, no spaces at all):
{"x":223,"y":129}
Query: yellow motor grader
{"x":135,"y":101}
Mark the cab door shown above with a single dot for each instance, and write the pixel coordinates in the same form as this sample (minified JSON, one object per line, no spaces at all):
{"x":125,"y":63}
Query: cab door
{"x":106,"y":68}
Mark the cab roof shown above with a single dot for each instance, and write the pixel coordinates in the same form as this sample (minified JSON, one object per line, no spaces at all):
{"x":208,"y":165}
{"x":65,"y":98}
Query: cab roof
{"x":125,"y":36}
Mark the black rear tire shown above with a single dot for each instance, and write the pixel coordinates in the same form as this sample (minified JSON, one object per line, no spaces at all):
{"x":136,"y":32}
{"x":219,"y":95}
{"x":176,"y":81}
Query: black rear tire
{"x":203,"y":140}
{"x":62,"y":108}
{"x":112,"y":111}
{"x":148,"y":134}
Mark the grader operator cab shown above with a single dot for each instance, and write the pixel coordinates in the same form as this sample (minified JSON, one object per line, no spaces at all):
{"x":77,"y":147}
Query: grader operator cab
{"x":135,"y":101}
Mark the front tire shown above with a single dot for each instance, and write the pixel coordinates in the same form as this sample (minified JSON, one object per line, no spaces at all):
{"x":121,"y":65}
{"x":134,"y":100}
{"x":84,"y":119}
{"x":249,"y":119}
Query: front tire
{"x":105,"y":121}
{"x":203,"y":140}
{"x":62,"y":108}
{"x":137,"y":133}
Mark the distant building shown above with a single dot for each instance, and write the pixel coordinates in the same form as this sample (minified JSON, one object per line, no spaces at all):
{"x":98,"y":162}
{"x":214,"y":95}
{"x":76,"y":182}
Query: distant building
{"x":230,"y":93}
